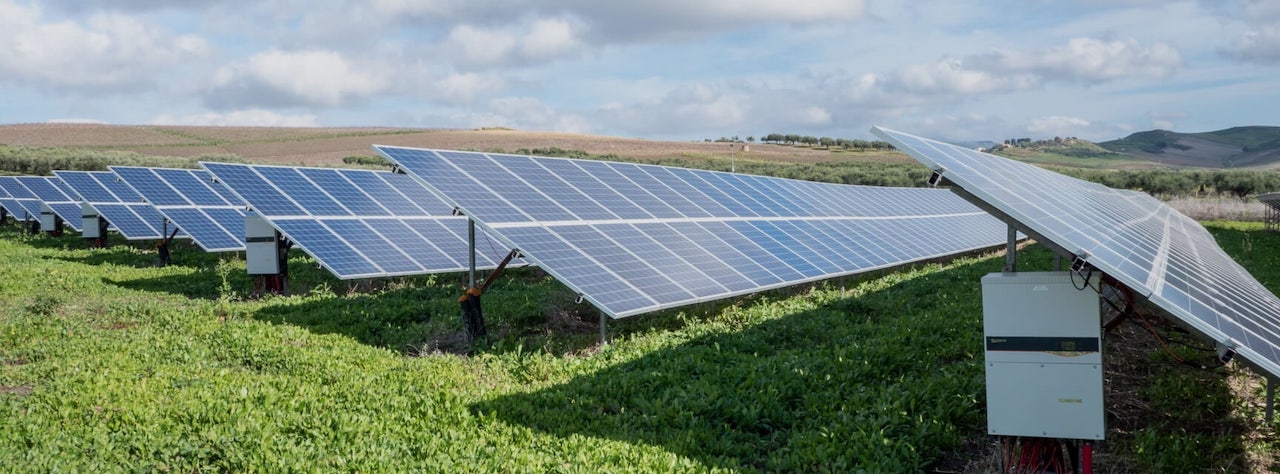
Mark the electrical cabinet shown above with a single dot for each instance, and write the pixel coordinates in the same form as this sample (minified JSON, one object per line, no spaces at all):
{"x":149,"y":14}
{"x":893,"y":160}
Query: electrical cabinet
{"x":1043,"y":338}
{"x":90,"y":217}
{"x":261,"y":246}
{"x":48,"y":220}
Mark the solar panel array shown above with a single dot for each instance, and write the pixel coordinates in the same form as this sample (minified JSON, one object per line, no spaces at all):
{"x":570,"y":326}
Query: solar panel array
{"x":1272,"y":202}
{"x":19,"y":200}
{"x":209,"y":213}
{"x":1151,"y":248}
{"x":53,"y":193}
{"x":358,"y":223}
{"x":7,"y":202}
{"x":636,"y":238}
{"x":117,"y":203}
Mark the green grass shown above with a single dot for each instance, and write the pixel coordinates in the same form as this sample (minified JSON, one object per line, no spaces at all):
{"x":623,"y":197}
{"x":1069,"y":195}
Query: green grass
{"x":1050,"y":157}
{"x":108,"y":363}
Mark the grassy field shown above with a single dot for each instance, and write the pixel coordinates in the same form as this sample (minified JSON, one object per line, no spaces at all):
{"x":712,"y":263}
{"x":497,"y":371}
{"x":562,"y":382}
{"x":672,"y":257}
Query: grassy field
{"x":328,"y":146}
{"x":108,"y":363}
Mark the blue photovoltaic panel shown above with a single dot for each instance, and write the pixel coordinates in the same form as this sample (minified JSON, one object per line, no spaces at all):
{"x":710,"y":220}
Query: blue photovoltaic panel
{"x":1148,"y":246}
{"x":54,"y":195}
{"x":358,"y":223}
{"x":7,"y":202}
{"x":119,"y":204}
{"x":635,"y":238}
{"x":191,"y":201}
{"x":22,"y":203}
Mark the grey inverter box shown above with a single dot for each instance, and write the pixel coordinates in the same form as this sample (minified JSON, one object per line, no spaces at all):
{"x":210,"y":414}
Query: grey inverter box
{"x":262,"y":252}
{"x":1043,"y":338}
{"x":90,"y":220}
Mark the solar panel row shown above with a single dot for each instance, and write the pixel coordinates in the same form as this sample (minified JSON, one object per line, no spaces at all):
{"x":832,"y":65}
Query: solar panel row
{"x":357,"y":223}
{"x":1165,"y":256}
{"x":209,"y":213}
{"x":21,"y":202}
{"x":629,"y":238}
{"x":54,"y":195}
{"x":636,"y":238}
{"x":117,"y":203}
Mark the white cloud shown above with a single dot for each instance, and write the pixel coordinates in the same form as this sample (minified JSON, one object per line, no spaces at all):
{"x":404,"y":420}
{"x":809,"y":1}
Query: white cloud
{"x":480,"y":46}
{"x":1165,"y":120}
{"x":1261,"y":45}
{"x":526,"y":113}
{"x":538,"y":42}
{"x":465,"y":87}
{"x":77,"y":120}
{"x":615,"y":22}
{"x":954,"y":80}
{"x":548,"y":39}
{"x":105,"y":51}
{"x":316,"y":78}
{"x":1089,"y":60}
{"x":950,"y":76}
{"x":1056,"y":125}
{"x":247,"y":118}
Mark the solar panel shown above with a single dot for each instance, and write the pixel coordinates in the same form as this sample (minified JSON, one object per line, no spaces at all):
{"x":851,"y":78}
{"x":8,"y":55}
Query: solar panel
{"x":26,"y":204}
{"x":1156,"y":251}
{"x":117,"y":203}
{"x":18,"y":200}
{"x":192,"y":201}
{"x":635,"y":238}
{"x":358,"y":223}
{"x":1272,"y":203}
{"x":7,"y":202}
{"x":53,"y":194}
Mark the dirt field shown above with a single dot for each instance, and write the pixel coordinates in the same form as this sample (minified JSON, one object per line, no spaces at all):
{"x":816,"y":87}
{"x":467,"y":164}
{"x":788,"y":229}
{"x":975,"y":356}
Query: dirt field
{"x":319,"y":146}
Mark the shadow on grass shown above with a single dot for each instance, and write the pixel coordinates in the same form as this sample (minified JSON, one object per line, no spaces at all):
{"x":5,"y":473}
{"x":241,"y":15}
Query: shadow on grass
{"x":889,"y":381}
{"x":392,"y":318}
{"x":118,"y":255}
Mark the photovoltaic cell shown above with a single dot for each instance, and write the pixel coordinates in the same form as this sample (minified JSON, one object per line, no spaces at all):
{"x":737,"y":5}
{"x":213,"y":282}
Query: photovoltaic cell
{"x":22,"y":203}
{"x":54,"y":195}
{"x":190,"y":200}
{"x":10,"y":204}
{"x":358,"y":223}
{"x":1148,"y":246}
{"x":635,"y":238}
{"x":119,"y":204}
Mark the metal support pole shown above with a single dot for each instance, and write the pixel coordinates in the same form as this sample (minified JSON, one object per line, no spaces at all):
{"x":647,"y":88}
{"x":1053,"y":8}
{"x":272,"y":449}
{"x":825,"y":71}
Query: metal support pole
{"x":732,"y":167}
{"x":1271,"y":401}
{"x":604,"y":331}
{"x":471,"y":247}
{"x":1011,"y":251}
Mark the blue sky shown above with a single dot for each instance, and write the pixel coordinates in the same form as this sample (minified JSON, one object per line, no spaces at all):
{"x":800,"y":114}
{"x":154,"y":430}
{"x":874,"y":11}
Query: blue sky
{"x":660,"y":69}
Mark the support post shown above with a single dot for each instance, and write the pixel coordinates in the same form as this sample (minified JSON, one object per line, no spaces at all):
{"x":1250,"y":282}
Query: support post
{"x":1011,"y":251}
{"x":57,"y":226}
{"x":166,"y":238}
{"x":604,"y":330}
{"x":101,"y":240}
{"x":472,"y":312}
{"x":4,"y":214}
{"x":1271,"y":401}
{"x":471,"y":253}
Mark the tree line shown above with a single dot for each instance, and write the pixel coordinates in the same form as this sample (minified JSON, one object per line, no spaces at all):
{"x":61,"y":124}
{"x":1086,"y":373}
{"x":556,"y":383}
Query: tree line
{"x":42,"y":161}
{"x":1183,"y":182}
{"x":826,"y":142}
{"x":1166,"y":183}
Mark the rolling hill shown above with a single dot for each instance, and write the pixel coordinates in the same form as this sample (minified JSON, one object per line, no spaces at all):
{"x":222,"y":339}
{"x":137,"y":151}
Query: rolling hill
{"x":328,"y":146}
{"x":1238,"y":147}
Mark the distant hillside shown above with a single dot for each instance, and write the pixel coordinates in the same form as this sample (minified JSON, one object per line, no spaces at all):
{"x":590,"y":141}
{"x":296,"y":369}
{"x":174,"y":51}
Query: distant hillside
{"x":1237,"y":147}
{"x":1069,"y":152}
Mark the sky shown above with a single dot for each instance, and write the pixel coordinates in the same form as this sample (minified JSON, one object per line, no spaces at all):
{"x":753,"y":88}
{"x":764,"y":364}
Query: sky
{"x":658,"y":69}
